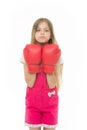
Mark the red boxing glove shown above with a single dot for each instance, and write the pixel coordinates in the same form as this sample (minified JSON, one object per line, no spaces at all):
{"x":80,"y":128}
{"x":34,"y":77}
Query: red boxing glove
{"x":32,"y":55}
{"x":50,"y":56}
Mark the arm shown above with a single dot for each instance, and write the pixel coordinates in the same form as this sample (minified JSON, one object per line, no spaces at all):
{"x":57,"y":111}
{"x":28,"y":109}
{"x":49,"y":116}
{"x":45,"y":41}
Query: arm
{"x":59,"y":70}
{"x":29,"y":78}
{"x":26,"y":74}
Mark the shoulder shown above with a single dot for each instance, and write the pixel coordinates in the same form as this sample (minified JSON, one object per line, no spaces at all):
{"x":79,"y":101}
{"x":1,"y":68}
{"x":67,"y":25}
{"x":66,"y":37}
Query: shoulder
{"x":22,"y":60}
{"x":61,"y":61}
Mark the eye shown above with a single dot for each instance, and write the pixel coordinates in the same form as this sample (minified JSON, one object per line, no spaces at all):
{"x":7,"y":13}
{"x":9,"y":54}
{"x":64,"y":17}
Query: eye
{"x":37,"y":30}
{"x":47,"y":30}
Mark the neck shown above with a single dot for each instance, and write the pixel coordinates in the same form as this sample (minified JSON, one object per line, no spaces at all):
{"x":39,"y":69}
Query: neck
{"x":42,"y":44}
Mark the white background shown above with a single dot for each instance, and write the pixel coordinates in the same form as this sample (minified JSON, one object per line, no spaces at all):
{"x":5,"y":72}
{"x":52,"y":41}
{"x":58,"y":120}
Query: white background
{"x":69,"y":19}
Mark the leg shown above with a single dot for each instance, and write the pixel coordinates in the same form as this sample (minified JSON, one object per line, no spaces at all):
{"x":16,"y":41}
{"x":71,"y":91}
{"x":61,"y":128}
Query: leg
{"x":39,"y":128}
{"x":49,"y":128}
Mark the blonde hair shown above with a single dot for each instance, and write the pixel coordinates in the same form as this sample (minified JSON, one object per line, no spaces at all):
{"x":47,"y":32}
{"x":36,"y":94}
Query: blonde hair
{"x":52,"y":39}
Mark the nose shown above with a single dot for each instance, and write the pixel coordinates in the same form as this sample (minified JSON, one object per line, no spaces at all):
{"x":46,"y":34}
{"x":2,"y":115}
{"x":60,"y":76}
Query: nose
{"x":42,"y":32}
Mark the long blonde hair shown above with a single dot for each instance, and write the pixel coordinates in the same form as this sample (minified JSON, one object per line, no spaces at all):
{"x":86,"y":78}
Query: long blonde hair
{"x":35,"y":25}
{"x":51,"y":41}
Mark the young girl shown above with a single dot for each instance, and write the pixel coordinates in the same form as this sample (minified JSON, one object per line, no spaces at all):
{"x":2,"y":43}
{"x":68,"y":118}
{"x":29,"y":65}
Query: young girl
{"x":43,"y":73}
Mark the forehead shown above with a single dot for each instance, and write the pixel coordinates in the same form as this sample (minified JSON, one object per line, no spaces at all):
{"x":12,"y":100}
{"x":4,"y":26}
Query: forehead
{"x":43,"y":25}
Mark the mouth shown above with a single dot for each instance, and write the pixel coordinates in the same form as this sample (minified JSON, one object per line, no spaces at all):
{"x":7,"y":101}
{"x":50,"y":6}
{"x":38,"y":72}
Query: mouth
{"x":42,"y":36}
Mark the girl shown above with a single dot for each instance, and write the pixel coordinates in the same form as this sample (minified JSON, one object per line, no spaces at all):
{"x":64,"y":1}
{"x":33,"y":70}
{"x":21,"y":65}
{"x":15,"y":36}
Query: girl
{"x":42,"y":99}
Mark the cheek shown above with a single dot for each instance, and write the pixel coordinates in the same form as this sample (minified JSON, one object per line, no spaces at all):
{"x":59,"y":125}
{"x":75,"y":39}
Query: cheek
{"x":36,"y":36}
{"x":48,"y":36}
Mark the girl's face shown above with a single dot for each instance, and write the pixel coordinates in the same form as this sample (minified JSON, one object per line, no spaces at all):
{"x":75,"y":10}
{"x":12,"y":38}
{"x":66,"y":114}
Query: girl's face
{"x":42,"y":34}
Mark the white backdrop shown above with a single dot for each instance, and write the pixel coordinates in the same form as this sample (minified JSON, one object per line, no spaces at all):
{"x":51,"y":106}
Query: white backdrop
{"x":69,"y":19}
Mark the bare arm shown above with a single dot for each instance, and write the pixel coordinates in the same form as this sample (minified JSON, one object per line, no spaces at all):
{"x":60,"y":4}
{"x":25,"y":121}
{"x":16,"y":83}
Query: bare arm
{"x":29,"y":78}
{"x":26,"y":74}
{"x":59,"y":71}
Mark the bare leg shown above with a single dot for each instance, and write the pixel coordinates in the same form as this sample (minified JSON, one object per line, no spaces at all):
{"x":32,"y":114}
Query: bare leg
{"x":39,"y":128}
{"x":49,"y":128}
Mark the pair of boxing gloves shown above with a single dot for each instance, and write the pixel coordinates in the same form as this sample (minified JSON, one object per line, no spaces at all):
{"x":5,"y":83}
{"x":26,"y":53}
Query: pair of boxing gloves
{"x":40,"y":58}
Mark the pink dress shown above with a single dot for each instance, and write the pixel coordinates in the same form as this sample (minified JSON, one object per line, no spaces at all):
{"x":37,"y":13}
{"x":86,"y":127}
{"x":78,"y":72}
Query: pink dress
{"x":41,"y":104}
